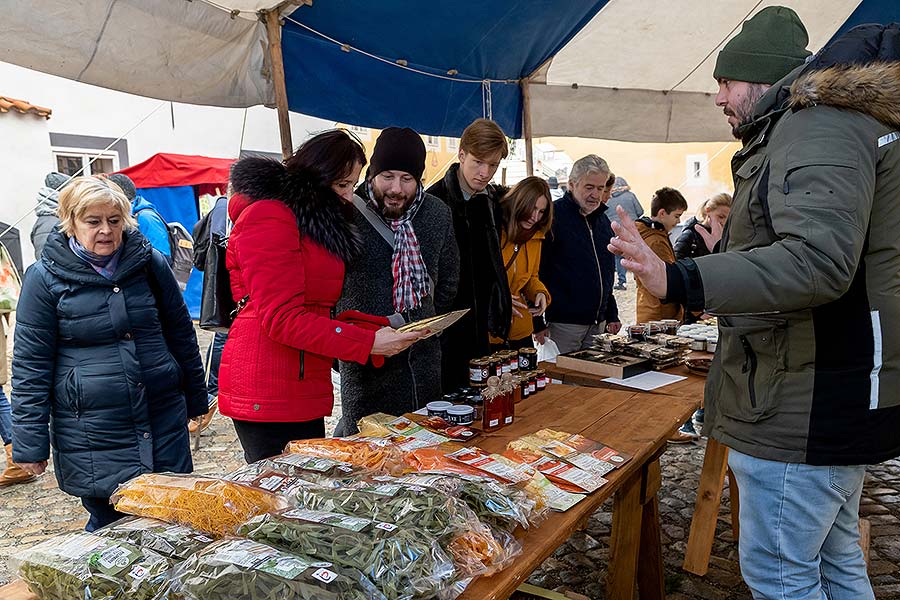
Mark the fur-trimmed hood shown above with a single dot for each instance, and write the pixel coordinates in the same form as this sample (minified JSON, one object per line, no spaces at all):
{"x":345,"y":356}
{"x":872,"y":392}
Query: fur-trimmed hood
{"x":873,"y":89}
{"x":320,"y":213}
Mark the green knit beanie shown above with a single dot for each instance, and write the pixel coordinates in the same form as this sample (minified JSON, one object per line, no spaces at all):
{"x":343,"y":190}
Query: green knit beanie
{"x":770,"y":45}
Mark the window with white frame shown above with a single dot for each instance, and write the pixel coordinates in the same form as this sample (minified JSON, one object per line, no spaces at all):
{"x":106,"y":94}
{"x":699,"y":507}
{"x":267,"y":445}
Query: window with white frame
{"x":452,"y":144}
{"x":697,"y":169}
{"x":72,"y":161}
{"x":363,"y":133}
{"x":433,"y":142}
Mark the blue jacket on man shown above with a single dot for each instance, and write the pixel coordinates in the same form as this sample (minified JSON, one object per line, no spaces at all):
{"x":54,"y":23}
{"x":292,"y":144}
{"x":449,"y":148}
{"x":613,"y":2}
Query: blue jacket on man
{"x":577,"y":267}
{"x":152,"y":225}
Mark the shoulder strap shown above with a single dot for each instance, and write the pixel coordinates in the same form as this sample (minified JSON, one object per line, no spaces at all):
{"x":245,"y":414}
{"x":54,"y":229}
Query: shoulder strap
{"x":512,"y":259}
{"x":374,"y":220}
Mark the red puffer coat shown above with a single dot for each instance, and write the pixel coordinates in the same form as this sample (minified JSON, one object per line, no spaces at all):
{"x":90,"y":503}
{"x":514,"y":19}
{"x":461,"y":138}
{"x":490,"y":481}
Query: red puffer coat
{"x":287,"y":255}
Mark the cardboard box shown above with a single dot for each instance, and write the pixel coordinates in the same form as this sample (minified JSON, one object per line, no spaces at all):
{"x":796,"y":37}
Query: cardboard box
{"x":605,"y":364}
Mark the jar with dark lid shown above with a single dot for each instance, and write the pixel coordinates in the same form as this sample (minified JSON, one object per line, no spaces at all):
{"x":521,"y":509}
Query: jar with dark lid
{"x":461,"y":414}
{"x":479,"y":371}
{"x":532,"y":383}
{"x":476,"y":401}
{"x":527,"y":359}
{"x":637,"y":332}
{"x":512,"y":357}
{"x":542,"y":380}
{"x":523,"y":386}
{"x":438,"y":408}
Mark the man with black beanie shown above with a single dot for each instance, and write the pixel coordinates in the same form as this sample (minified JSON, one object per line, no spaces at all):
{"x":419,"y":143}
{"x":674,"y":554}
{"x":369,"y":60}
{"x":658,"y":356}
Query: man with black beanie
{"x":804,"y":389}
{"x":408,"y":270}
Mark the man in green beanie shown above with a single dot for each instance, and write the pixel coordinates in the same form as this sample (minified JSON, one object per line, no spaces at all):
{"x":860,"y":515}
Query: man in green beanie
{"x":804,"y":389}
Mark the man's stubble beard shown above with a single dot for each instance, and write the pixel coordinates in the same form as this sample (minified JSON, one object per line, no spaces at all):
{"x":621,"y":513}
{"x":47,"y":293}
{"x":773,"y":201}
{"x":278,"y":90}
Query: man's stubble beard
{"x":744,"y":111}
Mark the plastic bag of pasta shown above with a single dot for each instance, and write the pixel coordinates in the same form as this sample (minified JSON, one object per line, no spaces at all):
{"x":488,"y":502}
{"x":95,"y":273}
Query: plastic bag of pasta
{"x":84,"y":565}
{"x":315,"y":470}
{"x":403,"y":563}
{"x":214,"y":506}
{"x":175,"y":542}
{"x":234,"y":569}
{"x":376,"y":454}
{"x":443,"y":518}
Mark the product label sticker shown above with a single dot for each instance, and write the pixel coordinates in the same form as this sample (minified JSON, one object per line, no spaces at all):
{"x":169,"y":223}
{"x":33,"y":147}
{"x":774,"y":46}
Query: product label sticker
{"x":289,"y":567}
{"x":324,"y":575}
{"x":326,"y":518}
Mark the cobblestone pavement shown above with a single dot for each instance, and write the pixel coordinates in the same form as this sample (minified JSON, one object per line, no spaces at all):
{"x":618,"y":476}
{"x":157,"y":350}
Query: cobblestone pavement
{"x":29,"y":513}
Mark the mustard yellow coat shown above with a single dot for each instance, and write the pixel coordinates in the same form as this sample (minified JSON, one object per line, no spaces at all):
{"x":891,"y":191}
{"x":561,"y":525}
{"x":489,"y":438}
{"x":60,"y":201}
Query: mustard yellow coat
{"x":522,"y":276}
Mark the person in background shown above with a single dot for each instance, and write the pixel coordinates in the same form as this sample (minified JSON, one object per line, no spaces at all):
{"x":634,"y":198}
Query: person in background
{"x":527,"y":215}
{"x":13,"y":473}
{"x":213,"y":222}
{"x":576,"y":265}
{"x":413,"y":277}
{"x":289,"y":248}
{"x":699,"y":238}
{"x":466,"y":188}
{"x":46,"y":212}
{"x":666,"y":209}
{"x":149,"y":221}
{"x":624,"y":197}
{"x":803,"y":389}
{"x":555,"y":192}
{"x":106,"y":367}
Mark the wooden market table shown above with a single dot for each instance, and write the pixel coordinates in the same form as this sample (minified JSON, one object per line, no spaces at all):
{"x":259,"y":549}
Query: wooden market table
{"x":637,"y":423}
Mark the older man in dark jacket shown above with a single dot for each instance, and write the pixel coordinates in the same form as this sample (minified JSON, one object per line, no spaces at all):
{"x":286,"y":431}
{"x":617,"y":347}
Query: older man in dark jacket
{"x":576,"y":265}
{"x":408,"y":270}
{"x":805,"y":386}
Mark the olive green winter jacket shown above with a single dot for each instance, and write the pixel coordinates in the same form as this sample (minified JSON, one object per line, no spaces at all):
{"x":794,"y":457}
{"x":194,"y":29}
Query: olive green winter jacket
{"x":807,"y":281}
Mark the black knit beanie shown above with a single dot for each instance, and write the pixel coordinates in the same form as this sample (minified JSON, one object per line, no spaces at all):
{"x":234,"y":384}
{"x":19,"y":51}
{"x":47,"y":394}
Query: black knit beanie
{"x":398,"y":149}
{"x":770,"y":45}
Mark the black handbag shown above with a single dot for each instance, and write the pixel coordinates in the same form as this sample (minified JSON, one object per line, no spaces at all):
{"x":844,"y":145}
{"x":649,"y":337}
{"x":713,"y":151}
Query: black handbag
{"x":217,"y":307}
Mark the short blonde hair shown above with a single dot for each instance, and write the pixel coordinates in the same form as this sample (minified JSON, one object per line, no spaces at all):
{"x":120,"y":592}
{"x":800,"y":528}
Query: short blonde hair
{"x":82,"y":193}
{"x":483,"y":139}
{"x":711,"y":204}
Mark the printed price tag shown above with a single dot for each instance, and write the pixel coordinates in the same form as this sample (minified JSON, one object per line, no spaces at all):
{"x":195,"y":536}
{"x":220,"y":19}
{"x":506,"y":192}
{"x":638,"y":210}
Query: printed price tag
{"x":386,"y":526}
{"x":324,"y":575}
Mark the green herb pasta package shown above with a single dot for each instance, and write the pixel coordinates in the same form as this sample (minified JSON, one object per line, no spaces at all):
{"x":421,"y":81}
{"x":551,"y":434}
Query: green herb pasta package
{"x":403,"y":563}
{"x":83,"y":565}
{"x":175,"y":542}
{"x":235,"y":569}
{"x":314,"y":470}
{"x":410,"y":507}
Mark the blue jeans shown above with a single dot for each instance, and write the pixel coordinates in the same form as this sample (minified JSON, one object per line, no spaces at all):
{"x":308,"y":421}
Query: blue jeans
{"x":800,"y":530}
{"x":620,"y":270}
{"x":5,"y":419}
{"x":214,"y":356}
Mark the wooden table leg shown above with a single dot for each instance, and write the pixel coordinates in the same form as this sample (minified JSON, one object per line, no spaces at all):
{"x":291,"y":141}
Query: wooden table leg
{"x":651,"y":573}
{"x":625,"y":540}
{"x":706,"y":510}
{"x":734,"y":500}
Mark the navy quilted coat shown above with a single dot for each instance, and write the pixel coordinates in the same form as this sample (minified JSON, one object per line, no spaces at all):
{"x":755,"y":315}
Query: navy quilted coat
{"x":106,"y":372}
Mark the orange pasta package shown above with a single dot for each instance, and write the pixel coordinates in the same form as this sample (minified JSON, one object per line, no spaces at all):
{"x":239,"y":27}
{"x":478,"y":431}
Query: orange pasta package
{"x":372,"y":453}
{"x":215,"y":506}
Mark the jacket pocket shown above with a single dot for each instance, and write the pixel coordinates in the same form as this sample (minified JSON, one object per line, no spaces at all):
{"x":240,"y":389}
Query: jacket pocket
{"x":72,"y":385}
{"x":753,"y":366}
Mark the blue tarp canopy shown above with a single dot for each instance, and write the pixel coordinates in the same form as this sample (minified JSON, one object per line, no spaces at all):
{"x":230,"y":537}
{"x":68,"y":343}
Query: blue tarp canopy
{"x":635,"y":70}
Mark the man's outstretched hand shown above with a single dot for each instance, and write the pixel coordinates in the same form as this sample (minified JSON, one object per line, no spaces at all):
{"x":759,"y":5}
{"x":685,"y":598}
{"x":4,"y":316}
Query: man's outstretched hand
{"x":637,"y":256}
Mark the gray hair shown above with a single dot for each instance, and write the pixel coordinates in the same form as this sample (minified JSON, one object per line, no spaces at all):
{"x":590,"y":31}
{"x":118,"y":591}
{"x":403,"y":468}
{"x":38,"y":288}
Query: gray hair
{"x":588,"y":165}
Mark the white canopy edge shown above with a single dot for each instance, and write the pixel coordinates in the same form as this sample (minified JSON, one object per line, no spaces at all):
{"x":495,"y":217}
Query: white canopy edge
{"x":175,"y":50}
{"x":626,"y":115}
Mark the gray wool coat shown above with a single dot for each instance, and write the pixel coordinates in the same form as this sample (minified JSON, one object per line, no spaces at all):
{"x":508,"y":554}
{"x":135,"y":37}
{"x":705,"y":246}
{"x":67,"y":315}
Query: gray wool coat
{"x":412,"y":378}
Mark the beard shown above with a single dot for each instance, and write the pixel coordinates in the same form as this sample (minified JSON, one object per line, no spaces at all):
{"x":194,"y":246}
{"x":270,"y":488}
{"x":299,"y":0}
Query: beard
{"x":392,"y":212}
{"x":743,"y":111}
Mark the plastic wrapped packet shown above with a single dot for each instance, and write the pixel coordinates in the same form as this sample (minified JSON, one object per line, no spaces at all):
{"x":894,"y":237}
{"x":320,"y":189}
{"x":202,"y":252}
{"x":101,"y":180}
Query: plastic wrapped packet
{"x":234,"y":569}
{"x":315,"y":470}
{"x":375,"y":454}
{"x":441,"y":517}
{"x":84,"y":565}
{"x":213,"y":506}
{"x":540,"y":487}
{"x":175,"y":542}
{"x":403,"y":563}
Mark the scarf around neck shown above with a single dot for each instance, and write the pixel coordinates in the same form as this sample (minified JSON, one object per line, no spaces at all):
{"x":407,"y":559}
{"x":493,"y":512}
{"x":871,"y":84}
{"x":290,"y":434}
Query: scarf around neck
{"x":104,"y":265}
{"x":407,"y":263}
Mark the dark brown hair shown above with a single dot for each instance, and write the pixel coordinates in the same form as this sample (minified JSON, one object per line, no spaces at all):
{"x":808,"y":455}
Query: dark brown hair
{"x":667,"y":199}
{"x":519,"y":203}
{"x":327,"y":157}
{"x":483,"y":138}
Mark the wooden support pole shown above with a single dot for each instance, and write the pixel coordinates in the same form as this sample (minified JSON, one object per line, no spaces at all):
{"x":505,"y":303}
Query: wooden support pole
{"x":526,"y":128}
{"x":273,"y":30}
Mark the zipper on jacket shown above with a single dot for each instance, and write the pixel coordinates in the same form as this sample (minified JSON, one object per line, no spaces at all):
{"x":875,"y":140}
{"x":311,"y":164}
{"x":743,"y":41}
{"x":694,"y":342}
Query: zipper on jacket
{"x":302,"y":363}
{"x":749,"y":365}
{"x":599,"y":272}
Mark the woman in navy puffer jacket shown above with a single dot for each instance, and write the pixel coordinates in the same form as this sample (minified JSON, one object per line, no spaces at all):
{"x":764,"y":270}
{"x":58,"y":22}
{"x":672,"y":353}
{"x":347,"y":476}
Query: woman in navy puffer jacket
{"x":106,"y":367}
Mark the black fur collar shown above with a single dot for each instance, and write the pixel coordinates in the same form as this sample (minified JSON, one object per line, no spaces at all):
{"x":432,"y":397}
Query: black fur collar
{"x":320,"y":213}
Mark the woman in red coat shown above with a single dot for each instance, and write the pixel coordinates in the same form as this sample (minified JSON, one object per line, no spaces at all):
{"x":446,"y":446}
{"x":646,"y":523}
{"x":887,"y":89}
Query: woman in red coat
{"x":286,"y":256}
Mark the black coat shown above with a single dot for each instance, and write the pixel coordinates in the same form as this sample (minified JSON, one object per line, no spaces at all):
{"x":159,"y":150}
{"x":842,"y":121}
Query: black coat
{"x":411,"y":379}
{"x":483,"y":286}
{"x":689,"y":244}
{"x":105,"y":371}
{"x":577,"y":266}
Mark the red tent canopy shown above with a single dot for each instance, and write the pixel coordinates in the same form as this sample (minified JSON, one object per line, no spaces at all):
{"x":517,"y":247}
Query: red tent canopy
{"x":168,"y":170}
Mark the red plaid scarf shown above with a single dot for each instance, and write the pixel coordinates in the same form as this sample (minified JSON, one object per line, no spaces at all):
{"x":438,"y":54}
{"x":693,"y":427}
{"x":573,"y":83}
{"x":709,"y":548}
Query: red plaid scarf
{"x":407,"y":264}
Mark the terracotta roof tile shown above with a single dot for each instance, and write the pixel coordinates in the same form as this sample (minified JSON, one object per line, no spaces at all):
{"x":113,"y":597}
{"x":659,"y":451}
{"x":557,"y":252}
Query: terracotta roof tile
{"x":23,"y":106}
